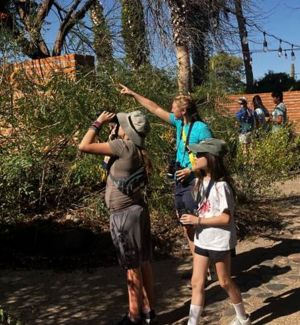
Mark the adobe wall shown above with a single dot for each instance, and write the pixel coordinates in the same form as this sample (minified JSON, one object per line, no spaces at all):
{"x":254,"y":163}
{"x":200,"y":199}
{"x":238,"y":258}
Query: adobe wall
{"x":290,"y":98}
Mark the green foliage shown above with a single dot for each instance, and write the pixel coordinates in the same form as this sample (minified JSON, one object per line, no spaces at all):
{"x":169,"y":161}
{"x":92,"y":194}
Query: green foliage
{"x":40,"y":166}
{"x":226,"y":73}
{"x":257,"y":168}
{"x":134,"y":33}
{"x":274,"y":81}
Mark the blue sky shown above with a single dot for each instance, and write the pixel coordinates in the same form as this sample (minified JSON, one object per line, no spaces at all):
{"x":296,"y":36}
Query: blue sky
{"x":278,"y":17}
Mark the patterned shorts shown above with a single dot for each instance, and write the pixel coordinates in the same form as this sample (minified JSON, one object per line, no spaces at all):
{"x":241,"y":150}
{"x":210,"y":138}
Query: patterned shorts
{"x":130,"y":232}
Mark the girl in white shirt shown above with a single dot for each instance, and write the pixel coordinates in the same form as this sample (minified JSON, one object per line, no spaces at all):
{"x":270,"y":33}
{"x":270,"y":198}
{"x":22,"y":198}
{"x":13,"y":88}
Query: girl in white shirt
{"x":215,"y":234}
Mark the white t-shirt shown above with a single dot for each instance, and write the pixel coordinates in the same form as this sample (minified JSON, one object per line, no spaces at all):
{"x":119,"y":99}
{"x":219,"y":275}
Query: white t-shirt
{"x":217,"y":238}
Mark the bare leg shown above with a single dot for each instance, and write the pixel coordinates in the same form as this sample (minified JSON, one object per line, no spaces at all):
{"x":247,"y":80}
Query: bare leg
{"x":200,"y":266}
{"x":223,"y":269}
{"x":135,"y":292}
{"x":148,"y":292}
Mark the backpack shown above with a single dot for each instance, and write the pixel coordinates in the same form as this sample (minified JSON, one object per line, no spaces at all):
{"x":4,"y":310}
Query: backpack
{"x":134,"y":182}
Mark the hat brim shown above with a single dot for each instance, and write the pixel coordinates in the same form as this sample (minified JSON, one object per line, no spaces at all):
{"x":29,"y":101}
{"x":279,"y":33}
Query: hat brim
{"x":130,"y":132}
{"x":206,"y":147}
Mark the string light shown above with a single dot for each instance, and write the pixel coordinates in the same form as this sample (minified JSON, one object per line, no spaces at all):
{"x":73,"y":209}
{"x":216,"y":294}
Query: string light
{"x":250,"y":59}
{"x":280,"y":49}
{"x":285,"y":54}
{"x":293,"y":57}
{"x":265,"y":44}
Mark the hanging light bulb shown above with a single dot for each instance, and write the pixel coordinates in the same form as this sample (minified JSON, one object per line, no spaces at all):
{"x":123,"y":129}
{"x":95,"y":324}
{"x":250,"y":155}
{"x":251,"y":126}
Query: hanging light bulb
{"x":250,"y":59}
{"x":265,"y":45}
{"x":285,"y":54}
{"x":245,"y":38}
{"x":293,"y":57}
{"x":280,"y":49}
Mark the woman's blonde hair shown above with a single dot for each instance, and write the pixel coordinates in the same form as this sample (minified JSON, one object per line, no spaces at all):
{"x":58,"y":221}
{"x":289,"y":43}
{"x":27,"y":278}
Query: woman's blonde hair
{"x":188,"y":103}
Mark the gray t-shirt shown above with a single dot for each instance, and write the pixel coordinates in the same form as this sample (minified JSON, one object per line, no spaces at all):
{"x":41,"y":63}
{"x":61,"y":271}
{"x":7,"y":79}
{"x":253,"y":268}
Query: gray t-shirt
{"x":127,"y":162}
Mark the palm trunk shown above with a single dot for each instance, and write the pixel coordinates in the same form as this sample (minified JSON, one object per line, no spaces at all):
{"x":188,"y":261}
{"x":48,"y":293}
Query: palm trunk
{"x":180,"y":35}
{"x":102,"y":37}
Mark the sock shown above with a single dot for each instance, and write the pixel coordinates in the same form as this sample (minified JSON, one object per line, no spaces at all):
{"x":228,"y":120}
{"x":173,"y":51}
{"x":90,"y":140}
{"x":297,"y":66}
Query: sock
{"x":195,"y":314}
{"x":240,"y":311}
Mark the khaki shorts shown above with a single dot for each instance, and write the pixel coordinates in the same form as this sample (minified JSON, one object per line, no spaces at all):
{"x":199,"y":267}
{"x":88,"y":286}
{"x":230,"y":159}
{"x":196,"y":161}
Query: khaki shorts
{"x":130,"y":232}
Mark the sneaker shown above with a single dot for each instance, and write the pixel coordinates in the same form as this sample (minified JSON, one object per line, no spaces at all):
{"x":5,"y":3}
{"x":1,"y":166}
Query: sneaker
{"x":149,"y":318}
{"x":127,"y":321}
{"x":237,"y":321}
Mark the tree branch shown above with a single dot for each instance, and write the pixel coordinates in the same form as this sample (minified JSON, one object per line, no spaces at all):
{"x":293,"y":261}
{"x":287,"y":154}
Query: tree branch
{"x":68,"y":23}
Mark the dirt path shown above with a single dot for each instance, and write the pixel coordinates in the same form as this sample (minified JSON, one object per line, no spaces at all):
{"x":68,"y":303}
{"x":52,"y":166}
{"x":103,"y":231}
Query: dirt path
{"x":267,"y":270}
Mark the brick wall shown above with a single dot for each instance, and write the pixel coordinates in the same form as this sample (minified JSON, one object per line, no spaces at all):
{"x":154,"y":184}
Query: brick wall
{"x":42,"y":69}
{"x":290,"y":98}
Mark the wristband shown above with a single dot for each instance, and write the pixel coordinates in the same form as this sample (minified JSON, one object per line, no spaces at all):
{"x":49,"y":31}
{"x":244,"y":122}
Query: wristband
{"x":96,"y":126}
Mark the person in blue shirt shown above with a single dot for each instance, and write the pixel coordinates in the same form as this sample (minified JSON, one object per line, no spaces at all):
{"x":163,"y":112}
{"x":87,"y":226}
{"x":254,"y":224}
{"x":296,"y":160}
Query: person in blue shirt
{"x":190,"y":129}
{"x":247,"y":123}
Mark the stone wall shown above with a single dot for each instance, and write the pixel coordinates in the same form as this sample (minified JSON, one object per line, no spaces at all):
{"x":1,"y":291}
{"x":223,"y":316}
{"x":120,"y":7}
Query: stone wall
{"x":290,"y":98}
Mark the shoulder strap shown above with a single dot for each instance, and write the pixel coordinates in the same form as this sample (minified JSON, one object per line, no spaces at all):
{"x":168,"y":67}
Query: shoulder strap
{"x":200,"y":198}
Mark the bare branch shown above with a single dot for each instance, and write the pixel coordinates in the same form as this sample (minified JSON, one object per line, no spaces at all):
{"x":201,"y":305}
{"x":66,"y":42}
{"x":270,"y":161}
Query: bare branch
{"x":68,"y":23}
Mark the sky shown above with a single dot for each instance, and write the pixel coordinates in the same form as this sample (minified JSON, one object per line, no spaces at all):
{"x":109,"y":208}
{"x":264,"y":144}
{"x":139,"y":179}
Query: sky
{"x":280,"y":18}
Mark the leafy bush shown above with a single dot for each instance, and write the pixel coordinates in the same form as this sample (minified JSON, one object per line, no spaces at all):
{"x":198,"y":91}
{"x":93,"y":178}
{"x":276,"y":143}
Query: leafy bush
{"x":40,"y":166}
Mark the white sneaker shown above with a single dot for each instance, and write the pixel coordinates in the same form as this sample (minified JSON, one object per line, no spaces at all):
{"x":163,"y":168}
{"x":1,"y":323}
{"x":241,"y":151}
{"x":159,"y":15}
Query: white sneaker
{"x":237,"y":321}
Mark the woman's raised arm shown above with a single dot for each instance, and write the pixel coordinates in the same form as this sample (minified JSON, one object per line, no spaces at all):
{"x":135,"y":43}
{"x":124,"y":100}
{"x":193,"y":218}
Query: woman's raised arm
{"x":147,"y":103}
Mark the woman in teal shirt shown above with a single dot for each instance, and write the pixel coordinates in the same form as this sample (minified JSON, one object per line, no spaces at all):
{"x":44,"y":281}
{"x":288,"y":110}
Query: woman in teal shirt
{"x":189,"y":129}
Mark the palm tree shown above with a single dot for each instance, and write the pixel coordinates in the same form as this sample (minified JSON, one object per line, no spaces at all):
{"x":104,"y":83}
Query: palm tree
{"x":102,"y":42}
{"x":134,"y":33}
{"x":178,"y":9}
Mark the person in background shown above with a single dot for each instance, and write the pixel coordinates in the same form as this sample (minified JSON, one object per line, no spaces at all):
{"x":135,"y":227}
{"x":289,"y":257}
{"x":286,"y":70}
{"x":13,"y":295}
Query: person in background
{"x":129,"y":216}
{"x":189,"y":129}
{"x":246,"y":118}
{"x":215,"y":232}
{"x":262,"y":114}
{"x":279,"y":114}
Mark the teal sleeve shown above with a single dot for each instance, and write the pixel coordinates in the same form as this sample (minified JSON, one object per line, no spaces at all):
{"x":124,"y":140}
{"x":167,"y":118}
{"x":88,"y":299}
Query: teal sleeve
{"x":205,"y":132}
{"x":172,"y":119}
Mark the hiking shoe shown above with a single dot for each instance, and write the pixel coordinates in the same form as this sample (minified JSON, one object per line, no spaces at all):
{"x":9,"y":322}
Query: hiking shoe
{"x":149,"y":318}
{"x":127,"y":321}
{"x":237,"y":321}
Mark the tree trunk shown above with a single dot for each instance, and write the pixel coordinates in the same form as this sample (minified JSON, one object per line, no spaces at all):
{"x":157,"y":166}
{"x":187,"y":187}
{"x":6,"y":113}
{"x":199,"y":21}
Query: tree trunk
{"x":134,"y":33}
{"x":178,"y":9}
{"x":244,"y":45}
{"x":102,"y":37}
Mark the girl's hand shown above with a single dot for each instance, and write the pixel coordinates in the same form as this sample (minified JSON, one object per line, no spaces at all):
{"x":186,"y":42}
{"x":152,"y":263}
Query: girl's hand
{"x":189,"y":219}
{"x":182,"y":174}
{"x":125,"y":90}
{"x":105,"y":117}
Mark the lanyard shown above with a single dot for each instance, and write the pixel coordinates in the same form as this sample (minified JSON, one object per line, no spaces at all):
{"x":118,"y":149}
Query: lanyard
{"x":186,"y":140}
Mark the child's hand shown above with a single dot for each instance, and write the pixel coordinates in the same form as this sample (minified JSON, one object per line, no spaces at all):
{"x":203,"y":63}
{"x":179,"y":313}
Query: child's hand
{"x":189,"y":219}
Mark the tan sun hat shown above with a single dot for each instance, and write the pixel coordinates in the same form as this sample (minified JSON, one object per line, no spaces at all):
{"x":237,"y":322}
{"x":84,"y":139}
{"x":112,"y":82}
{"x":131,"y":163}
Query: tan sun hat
{"x":135,"y":125}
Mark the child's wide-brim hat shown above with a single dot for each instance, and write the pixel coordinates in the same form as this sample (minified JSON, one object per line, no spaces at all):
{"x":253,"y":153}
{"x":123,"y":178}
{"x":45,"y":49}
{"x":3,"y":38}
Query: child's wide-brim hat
{"x":213,"y":146}
{"x":135,"y":125}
